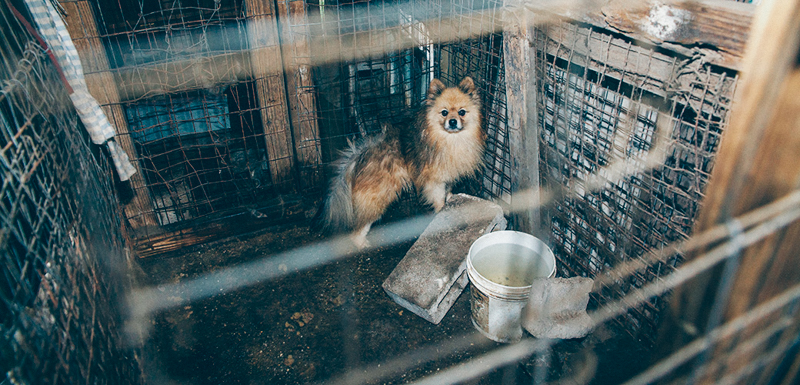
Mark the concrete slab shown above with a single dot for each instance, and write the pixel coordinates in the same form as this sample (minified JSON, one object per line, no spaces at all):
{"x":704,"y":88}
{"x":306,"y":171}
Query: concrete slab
{"x":432,"y":275}
{"x":557,"y":308}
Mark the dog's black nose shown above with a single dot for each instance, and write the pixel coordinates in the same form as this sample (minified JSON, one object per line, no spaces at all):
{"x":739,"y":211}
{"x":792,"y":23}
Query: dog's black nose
{"x":453,"y":123}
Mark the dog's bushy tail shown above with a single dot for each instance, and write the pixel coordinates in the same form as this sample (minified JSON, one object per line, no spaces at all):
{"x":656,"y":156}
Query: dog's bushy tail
{"x":337,"y":213}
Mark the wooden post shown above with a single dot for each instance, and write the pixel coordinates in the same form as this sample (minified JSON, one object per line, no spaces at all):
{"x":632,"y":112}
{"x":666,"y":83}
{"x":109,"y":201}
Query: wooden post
{"x":82,"y":27}
{"x":294,"y":38}
{"x":759,"y":162}
{"x":523,"y":127}
{"x":266,"y":63}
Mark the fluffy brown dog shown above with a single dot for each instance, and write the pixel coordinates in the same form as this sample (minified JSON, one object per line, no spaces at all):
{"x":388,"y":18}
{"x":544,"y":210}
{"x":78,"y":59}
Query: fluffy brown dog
{"x":444,"y":144}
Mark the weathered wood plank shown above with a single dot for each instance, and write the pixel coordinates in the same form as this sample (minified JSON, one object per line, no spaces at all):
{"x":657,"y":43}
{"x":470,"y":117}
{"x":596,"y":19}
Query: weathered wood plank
{"x":717,"y":29}
{"x":759,"y":161}
{"x":612,"y":56}
{"x":523,"y":127}
{"x":294,"y":37}
{"x":82,"y":27}
{"x":143,"y":81}
{"x":770,"y":267}
{"x":266,"y":64}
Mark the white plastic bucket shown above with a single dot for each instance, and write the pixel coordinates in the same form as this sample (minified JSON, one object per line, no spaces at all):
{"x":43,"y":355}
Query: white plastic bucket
{"x":501,"y":267}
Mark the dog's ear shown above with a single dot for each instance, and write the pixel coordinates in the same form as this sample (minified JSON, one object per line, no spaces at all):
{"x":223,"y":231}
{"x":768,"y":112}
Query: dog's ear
{"x":467,"y":86}
{"x":435,"y":89}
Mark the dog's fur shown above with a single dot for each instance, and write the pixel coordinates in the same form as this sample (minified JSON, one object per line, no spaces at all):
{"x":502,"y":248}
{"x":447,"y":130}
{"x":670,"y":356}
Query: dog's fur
{"x":440,"y":147}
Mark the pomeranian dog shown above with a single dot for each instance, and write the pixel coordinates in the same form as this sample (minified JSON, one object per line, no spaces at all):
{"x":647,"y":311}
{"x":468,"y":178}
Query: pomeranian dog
{"x":443,"y":144}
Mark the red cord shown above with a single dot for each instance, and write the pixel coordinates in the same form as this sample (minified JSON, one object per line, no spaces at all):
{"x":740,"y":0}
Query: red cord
{"x":43,"y":43}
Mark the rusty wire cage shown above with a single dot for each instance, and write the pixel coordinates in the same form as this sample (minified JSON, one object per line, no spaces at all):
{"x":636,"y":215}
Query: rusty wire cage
{"x":259,"y":135}
{"x":64,"y":265}
{"x":223,"y":118}
{"x":600,"y":94}
{"x":232,"y":110}
{"x":206,"y":142}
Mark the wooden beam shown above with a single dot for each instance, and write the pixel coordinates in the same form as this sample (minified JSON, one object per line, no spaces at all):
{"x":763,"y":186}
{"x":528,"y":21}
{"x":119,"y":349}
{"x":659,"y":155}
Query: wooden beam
{"x":294,"y":37}
{"x":171,"y":76}
{"x":287,"y":209}
{"x":769,"y":267}
{"x":759,"y":161}
{"x":713,"y":28}
{"x":82,"y":27}
{"x":523,"y":128}
{"x":266,"y":63}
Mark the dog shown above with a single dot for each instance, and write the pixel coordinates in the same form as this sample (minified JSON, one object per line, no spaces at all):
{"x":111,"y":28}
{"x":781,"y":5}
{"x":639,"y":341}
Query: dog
{"x":442,"y":145}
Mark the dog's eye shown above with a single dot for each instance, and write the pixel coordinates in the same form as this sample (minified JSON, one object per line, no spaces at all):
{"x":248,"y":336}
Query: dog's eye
{"x":444,"y":112}
{"x":462,"y":112}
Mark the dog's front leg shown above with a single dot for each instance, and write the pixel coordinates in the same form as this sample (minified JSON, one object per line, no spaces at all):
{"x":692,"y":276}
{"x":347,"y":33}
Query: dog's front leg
{"x":435,"y":194}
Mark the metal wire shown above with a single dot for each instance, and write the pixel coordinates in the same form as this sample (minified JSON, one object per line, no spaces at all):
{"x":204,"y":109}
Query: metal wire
{"x":235,"y":131}
{"x":601,"y":95}
{"x":62,"y":253}
{"x":239,"y":133}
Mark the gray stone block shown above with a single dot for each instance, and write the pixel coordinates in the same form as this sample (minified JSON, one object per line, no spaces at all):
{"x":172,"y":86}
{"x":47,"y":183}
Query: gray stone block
{"x":433,"y":274}
{"x":557,"y":308}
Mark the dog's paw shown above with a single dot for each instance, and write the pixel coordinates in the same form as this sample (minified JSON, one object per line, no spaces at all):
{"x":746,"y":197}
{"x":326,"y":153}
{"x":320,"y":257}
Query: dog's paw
{"x":360,"y":240}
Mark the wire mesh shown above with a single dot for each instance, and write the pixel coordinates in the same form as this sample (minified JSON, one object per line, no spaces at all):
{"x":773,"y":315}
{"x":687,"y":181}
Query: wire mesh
{"x":482,"y":59}
{"x":601,"y":95}
{"x":196,"y":156}
{"x":205,"y":141}
{"x":62,"y":255}
{"x":253,"y":127}
{"x":384,"y":81}
{"x":396,"y":57}
{"x":225,"y":106}
{"x":265,"y":112}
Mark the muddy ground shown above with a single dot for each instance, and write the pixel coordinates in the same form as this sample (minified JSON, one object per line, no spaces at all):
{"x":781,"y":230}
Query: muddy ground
{"x":319,"y":325}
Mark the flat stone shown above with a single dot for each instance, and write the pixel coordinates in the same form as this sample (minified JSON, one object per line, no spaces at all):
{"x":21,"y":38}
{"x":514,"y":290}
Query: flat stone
{"x":557,"y":308}
{"x":433,"y":274}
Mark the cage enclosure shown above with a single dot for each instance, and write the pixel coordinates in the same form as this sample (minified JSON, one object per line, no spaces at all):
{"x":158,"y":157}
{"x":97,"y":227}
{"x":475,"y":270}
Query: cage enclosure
{"x":604,"y":123}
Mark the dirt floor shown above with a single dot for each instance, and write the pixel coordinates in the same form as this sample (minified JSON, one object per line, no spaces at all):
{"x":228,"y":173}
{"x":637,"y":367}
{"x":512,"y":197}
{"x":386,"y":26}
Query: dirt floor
{"x":319,"y":325}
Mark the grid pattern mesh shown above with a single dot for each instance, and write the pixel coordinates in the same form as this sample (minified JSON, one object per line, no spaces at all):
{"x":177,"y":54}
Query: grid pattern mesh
{"x":225,"y":105}
{"x":600,"y":98}
{"x":229,"y":106}
{"x":219,"y":113}
{"x":207,"y":125}
{"x":62,"y":256}
{"x":375,"y":70}
{"x":396,"y":56}
{"x":482,"y":59}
